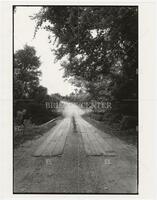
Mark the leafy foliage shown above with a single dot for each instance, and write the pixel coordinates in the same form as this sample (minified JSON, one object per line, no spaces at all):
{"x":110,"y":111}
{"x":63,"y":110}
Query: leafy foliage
{"x":100,"y":44}
{"x":26,"y":73}
{"x":28,"y":94}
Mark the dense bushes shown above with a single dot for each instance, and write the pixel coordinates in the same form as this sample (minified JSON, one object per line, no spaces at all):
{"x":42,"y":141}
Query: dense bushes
{"x":128,"y":122}
{"x":119,"y":114}
{"x":35,"y":112}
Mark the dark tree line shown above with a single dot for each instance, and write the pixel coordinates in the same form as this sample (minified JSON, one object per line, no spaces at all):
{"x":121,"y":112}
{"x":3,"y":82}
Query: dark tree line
{"x":29,"y":95}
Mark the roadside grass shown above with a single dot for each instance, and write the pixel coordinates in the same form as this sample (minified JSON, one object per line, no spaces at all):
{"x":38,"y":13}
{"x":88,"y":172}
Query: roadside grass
{"x":130,"y":136}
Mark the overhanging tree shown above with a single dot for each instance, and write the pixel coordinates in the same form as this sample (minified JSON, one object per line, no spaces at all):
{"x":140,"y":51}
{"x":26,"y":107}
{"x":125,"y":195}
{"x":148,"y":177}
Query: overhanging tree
{"x":100,"y":44}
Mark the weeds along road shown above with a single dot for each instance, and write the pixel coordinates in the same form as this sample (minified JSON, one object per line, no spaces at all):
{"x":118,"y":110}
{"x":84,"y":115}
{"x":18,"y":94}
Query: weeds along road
{"x":75,"y":157}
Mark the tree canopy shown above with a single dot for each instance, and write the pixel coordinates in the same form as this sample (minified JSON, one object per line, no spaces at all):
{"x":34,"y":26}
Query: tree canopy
{"x":26,"y":72}
{"x":100,"y":44}
{"x":29,"y":95}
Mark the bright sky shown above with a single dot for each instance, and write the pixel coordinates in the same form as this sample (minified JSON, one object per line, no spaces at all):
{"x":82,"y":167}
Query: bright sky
{"x":23,"y":33}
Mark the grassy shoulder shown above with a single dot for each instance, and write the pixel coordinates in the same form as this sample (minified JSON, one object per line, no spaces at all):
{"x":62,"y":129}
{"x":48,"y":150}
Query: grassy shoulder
{"x":109,"y":126}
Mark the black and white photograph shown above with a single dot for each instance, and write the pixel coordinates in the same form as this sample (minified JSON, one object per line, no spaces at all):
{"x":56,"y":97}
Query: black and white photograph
{"x":75,"y":99}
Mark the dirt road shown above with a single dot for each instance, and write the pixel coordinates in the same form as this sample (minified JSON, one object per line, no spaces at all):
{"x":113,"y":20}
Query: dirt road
{"x":75,"y":157}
